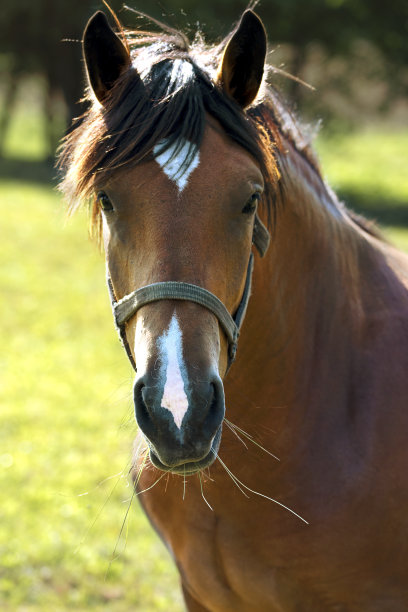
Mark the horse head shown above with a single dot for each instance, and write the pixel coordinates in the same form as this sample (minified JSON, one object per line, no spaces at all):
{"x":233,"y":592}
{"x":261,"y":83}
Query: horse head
{"x":179,"y":215}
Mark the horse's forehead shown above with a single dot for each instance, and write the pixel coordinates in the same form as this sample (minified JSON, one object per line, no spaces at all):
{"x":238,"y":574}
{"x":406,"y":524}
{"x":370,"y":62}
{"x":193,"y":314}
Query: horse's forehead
{"x":217,"y":155}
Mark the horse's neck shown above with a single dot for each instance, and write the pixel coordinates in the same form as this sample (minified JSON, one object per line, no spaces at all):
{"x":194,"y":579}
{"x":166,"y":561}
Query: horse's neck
{"x":306,"y":301}
{"x":316,"y":244}
{"x":329,"y":304}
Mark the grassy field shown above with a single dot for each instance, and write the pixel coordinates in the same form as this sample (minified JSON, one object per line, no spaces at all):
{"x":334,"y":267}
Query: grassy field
{"x":65,"y":389}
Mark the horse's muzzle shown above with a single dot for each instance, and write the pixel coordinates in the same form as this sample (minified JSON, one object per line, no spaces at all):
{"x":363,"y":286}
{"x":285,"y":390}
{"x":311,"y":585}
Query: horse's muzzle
{"x":190,"y":445}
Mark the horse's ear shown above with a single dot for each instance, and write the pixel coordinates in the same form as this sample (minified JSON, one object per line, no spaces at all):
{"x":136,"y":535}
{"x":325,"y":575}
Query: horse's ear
{"x":106,"y":57}
{"x":242,"y":64}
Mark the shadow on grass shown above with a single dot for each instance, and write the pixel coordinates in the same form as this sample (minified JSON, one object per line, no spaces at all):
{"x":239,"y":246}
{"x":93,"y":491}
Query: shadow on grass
{"x":30,"y":171}
{"x":391,"y":212}
{"x":388,"y":212}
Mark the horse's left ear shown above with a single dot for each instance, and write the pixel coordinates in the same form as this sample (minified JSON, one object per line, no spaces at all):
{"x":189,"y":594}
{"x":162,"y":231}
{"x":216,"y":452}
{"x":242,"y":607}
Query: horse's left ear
{"x":242,"y":64}
{"x":106,"y":57}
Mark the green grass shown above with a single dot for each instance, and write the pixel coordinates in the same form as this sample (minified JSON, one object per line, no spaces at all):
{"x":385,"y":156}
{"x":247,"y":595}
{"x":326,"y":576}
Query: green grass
{"x":369,"y":171}
{"x":65,"y":392}
{"x":374,"y":162}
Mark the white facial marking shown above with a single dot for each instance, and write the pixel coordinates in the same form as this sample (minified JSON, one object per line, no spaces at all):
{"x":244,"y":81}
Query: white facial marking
{"x":174,"y":396}
{"x":173,"y":161}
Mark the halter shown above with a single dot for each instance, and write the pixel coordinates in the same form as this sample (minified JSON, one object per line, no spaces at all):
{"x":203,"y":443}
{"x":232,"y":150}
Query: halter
{"x":126,"y":307}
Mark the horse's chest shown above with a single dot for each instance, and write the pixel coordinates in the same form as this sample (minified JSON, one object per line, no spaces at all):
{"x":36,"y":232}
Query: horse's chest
{"x":228,"y":558}
{"x":253,"y":555}
{"x":234,"y":563}
{"x":218,"y":555}
{"x":224,"y":568}
{"x":231,"y":568}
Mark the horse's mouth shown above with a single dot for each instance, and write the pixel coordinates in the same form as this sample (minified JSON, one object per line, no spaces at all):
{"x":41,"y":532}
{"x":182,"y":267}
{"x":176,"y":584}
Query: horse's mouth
{"x":192,"y":466}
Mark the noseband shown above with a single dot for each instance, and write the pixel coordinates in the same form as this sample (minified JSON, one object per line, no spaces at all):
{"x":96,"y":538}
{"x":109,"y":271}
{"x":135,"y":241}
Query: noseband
{"x":126,"y":307}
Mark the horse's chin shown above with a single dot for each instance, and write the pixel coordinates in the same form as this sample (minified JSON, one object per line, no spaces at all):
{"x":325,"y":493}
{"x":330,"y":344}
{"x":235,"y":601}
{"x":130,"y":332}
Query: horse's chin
{"x":193,"y":466}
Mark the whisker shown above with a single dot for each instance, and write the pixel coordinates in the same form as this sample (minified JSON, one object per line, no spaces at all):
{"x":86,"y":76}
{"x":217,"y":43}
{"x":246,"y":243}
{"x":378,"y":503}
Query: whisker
{"x":275,"y":501}
{"x":140,"y":451}
{"x":118,"y":475}
{"x":229,"y":425}
{"x":167,"y":482}
{"x":141,"y":468}
{"x":202,"y":492}
{"x":250,"y":438}
{"x":139,"y":473}
{"x":124,"y":522}
{"x":231,"y":475}
{"x":151,"y":486}
{"x":207,"y":473}
{"x":184,"y":482}
{"x":292,"y":77}
{"x":98,"y":514}
{"x":114,"y":556}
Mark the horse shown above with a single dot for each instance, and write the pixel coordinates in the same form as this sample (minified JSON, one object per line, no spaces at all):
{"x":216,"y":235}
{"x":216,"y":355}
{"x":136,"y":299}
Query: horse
{"x":267,"y":325}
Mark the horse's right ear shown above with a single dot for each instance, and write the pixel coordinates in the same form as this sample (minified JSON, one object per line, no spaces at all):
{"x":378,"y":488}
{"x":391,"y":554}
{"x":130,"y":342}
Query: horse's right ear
{"x":106,"y":57}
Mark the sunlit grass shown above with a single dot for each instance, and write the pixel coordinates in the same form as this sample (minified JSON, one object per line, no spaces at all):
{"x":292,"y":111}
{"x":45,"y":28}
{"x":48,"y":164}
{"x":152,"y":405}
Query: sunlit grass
{"x":368,"y":166}
{"x":369,"y":170}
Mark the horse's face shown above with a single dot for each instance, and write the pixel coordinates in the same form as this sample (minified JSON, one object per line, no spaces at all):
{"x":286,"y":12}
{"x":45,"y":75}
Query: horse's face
{"x":165,"y":222}
{"x":196,"y":228}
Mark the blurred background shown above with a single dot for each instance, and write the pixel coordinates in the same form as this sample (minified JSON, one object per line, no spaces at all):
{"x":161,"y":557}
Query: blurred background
{"x":67,"y":536}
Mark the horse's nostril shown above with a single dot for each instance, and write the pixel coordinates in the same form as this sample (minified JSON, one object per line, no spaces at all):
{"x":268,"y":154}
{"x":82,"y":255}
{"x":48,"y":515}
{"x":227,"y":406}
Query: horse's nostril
{"x":143,"y":417}
{"x":216,"y":406}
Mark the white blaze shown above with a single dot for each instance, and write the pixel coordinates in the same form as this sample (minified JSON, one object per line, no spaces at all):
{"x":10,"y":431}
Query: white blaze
{"x":173,"y":164}
{"x":174,"y":396}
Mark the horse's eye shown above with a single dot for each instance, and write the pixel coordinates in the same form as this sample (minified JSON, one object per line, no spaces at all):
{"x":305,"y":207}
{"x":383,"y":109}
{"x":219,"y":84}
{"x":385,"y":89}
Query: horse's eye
{"x":104,"y":201}
{"x":251,"y":205}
